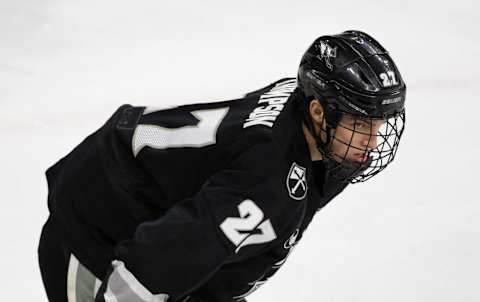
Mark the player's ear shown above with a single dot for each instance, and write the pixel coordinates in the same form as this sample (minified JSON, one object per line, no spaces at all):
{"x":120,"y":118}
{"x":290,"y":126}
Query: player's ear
{"x":316,"y":111}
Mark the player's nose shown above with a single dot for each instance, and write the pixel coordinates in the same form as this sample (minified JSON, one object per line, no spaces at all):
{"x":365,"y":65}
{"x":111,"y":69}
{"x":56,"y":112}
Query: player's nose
{"x":370,"y":142}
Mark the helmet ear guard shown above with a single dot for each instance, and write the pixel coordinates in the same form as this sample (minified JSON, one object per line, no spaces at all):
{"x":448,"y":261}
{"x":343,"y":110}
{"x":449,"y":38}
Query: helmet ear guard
{"x":351,"y":74}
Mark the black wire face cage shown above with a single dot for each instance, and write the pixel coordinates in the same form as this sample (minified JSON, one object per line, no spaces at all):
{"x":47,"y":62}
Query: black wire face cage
{"x":358,"y":148}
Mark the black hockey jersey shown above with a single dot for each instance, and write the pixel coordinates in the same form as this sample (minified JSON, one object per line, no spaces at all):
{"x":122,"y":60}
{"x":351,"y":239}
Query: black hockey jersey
{"x":203,"y":200}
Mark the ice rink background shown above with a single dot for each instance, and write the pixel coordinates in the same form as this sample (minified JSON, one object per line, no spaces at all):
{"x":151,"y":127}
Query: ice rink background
{"x":410,"y":234}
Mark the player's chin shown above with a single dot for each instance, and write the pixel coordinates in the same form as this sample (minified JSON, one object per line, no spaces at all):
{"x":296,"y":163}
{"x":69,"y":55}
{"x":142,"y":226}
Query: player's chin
{"x":350,"y":159}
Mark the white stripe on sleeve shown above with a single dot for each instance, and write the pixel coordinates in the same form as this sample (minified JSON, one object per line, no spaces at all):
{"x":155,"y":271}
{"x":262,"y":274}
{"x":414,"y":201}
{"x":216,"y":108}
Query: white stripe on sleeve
{"x":122,"y":286}
{"x":72,"y":279}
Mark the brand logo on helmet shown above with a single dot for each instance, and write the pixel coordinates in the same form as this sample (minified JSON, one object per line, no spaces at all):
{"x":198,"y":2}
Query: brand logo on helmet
{"x":297,"y":182}
{"x":327,"y":54}
{"x":392,"y":101}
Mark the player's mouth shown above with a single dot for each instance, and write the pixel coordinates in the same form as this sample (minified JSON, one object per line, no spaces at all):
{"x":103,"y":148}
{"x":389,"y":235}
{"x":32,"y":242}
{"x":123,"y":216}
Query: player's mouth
{"x":360,"y":157}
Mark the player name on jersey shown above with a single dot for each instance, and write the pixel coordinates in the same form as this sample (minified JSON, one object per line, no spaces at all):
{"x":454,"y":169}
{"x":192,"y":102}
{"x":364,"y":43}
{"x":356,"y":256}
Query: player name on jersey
{"x":272,"y":103}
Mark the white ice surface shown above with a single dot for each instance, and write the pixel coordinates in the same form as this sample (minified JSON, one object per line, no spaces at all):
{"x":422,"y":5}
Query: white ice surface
{"x":410,"y":234}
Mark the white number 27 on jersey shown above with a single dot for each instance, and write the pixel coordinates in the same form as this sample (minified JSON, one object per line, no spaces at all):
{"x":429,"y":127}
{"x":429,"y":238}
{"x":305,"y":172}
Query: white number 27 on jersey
{"x":199,"y":135}
{"x":238,"y":230}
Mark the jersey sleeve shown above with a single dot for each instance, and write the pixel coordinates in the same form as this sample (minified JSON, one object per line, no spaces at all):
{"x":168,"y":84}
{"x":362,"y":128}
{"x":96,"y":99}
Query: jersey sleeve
{"x":235,"y":215}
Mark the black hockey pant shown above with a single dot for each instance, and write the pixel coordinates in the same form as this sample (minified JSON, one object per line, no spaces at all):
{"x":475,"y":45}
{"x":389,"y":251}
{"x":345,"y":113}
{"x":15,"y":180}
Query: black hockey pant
{"x":64,"y":277}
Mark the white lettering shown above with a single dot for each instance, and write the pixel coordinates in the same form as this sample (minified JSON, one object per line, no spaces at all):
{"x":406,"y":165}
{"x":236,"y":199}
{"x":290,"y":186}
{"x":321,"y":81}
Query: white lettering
{"x":274,"y":100}
{"x":269,"y":108}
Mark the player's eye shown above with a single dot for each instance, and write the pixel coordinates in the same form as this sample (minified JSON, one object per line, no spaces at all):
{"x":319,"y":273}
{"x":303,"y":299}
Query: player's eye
{"x":360,"y":124}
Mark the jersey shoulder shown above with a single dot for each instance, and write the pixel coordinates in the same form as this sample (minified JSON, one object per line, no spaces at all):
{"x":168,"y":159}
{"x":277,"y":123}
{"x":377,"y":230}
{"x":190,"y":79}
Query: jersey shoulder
{"x":268,"y":87}
{"x":265,"y":117}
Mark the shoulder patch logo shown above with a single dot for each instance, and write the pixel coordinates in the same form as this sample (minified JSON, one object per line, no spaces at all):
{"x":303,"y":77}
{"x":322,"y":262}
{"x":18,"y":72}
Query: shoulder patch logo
{"x":297,"y":182}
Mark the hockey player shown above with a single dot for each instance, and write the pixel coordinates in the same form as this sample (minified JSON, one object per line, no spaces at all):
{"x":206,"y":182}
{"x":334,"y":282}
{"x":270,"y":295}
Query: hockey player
{"x":205,"y":202}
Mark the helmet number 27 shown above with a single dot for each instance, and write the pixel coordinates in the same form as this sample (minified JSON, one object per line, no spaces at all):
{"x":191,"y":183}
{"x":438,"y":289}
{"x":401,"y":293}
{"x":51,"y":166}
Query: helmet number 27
{"x":388,"y":78}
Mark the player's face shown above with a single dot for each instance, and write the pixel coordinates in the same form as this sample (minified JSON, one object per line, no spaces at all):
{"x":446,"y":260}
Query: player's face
{"x":354,"y":137}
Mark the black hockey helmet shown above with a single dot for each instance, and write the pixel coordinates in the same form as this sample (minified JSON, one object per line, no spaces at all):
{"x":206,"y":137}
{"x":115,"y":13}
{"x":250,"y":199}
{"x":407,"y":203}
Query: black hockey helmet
{"x":352,"y":74}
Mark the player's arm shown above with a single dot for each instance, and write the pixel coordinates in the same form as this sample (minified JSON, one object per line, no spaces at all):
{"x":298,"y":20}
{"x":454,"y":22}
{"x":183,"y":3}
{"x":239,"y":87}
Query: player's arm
{"x":175,"y":254}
